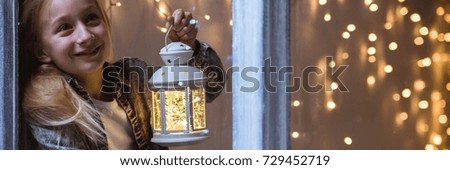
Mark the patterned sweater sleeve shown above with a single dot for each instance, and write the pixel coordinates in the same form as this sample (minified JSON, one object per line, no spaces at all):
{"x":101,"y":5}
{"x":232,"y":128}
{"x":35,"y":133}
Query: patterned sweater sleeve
{"x":209,"y":62}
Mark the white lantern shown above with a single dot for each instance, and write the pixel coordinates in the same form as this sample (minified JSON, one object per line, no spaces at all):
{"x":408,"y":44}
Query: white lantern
{"x":178,"y":100}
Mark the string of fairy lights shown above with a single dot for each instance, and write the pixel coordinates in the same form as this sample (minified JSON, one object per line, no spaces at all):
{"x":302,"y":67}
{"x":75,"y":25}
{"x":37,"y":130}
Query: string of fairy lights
{"x":436,"y":131}
{"x":164,"y":10}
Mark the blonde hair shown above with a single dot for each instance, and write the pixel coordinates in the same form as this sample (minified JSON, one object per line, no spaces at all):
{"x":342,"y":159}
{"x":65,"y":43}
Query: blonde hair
{"x":46,"y":97}
{"x":50,"y":101}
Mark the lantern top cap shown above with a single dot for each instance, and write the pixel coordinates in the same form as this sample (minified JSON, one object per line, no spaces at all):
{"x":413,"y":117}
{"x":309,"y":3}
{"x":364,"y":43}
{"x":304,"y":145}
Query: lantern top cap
{"x":173,"y":77}
{"x":176,"y":53}
{"x":176,"y":46}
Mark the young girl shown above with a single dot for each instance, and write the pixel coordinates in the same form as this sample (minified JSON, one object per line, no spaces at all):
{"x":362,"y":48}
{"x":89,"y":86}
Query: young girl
{"x":69,"y":100}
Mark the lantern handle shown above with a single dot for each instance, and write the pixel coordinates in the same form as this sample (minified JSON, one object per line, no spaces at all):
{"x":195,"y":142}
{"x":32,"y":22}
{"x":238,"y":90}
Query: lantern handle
{"x":165,"y":39}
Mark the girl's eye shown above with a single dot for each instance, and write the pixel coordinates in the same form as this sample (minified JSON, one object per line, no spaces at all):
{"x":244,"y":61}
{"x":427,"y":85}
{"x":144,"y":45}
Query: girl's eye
{"x":63,"y":27}
{"x":92,"y":17}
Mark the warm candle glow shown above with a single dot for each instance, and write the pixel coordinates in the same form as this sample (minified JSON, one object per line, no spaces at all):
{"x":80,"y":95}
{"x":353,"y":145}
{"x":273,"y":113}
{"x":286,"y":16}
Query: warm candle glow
{"x":174,"y":108}
{"x":448,"y":131}
{"x":199,"y":112}
{"x":448,"y":86}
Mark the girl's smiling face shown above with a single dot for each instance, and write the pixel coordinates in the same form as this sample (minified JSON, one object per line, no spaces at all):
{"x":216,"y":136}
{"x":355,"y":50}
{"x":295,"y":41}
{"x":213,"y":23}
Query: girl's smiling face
{"x":74,"y":36}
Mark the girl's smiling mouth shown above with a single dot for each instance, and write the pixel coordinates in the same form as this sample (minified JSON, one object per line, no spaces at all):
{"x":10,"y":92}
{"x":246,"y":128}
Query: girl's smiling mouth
{"x":89,"y":52}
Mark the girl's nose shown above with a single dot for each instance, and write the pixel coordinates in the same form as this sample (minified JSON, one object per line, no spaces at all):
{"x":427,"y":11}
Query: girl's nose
{"x":85,"y":37}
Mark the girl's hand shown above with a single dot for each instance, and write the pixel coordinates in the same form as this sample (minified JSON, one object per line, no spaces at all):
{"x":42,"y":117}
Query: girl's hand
{"x":181,"y":30}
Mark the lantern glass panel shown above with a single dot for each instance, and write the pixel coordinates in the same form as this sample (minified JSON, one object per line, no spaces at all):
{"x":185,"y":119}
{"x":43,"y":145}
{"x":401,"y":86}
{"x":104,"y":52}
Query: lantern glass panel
{"x":175,"y":107}
{"x":156,"y":118}
{"x":198,"y":102}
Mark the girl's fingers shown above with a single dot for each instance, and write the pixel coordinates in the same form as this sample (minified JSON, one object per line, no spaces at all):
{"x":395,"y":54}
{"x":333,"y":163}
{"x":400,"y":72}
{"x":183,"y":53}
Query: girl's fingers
{"x":181,"y":30}
{"x":178,"y":17}
{"x":186,"y":30}
{"x":169,"y":21}
{"x":189,"y":37}
{"x":187,"y":18}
